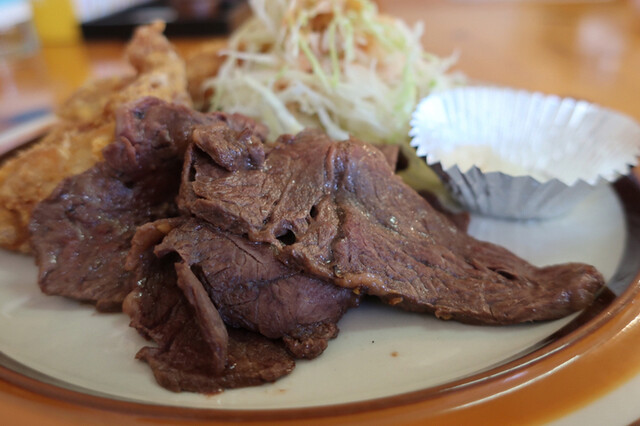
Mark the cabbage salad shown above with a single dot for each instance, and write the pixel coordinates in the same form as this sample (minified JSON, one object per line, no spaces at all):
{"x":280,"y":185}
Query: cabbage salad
{"x":335,"y":64}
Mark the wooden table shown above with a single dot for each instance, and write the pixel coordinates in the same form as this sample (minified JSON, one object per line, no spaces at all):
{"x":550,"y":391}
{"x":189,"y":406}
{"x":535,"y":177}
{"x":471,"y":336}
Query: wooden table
{"x":588,"y":50}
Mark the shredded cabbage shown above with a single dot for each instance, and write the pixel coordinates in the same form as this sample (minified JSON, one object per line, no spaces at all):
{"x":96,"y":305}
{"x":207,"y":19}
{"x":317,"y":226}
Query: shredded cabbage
{"x":335,"y":64}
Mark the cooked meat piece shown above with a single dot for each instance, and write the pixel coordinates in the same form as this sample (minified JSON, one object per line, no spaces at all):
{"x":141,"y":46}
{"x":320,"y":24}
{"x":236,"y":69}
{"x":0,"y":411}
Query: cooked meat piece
{"x":183,"y":365}
{"x":230,"y":150}
{"x":259,"y":200}
{"x":151,"y":132}
{"x":81,"y":233}
{"x":185,"y":358}
{"x":253,"y":290}
{"x":337,"y":211}
{"x":212,"y":329}
{"x":86,"y":126}
{"x":161,"y":298}
{"x":279,"y":239}
{"x":391,"y":154}
{"x":459,"y":219}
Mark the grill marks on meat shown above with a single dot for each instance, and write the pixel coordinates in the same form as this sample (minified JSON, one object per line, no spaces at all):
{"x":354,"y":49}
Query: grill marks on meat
{"x":253,"y":290}
{"x":195,"y":352}
{"x":81,"y":233}
{"x":371,"y":233}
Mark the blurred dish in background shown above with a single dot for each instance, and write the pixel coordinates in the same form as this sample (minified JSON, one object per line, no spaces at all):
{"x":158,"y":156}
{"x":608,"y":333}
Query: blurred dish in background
{"x":17,"y":36}
{"x":183,"y":18}
{"x":56,"y":22}
{"x":24,"y":128}
{"x":196,"y":9}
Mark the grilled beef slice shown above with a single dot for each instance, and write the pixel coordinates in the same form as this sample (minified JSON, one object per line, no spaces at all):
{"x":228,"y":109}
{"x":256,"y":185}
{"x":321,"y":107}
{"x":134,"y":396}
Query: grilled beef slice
{"x":81,"y":233}
{"x":253,"y":290}
{"x":264,"y":235}
{"x":337,"y":211}
{"x":194,"y":352}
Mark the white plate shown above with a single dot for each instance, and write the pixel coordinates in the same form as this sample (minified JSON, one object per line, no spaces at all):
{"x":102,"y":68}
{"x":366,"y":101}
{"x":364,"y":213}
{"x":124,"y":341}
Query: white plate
{"x":379,"y":352}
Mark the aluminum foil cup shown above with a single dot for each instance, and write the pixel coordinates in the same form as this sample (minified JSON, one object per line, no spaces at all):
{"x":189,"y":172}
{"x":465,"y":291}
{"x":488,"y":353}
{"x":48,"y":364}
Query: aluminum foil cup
{"x":521,"y":155}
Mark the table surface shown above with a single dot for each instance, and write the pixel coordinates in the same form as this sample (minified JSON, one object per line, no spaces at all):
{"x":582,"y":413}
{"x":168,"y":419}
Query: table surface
{"x":583,"y":49}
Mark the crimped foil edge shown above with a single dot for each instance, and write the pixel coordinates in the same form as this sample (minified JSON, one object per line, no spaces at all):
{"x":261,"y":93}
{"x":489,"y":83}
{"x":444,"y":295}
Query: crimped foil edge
{"x":522,"y":197}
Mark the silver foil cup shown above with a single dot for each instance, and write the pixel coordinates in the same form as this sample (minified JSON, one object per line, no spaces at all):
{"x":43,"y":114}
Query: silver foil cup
{"x":511,"y":197}
{"x":521,"y":155}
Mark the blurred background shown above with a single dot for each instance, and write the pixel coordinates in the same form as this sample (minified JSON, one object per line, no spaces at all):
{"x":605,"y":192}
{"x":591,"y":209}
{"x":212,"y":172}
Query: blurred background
{"x":581,"y":48}
{"x":49,"y":47}
{"x":25,"y":24}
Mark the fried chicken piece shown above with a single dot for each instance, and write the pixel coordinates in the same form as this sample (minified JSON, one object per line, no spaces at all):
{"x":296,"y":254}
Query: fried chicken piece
{"x":86,"y":125}
{"x":202,"y":64}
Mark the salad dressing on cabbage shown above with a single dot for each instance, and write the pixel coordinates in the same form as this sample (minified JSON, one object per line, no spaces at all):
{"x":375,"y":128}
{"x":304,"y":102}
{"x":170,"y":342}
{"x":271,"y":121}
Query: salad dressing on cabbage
{"x":334,"y":64}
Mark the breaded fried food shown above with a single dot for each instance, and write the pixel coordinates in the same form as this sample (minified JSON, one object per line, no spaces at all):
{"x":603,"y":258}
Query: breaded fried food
{"x":202,"y":64}
{"x":86,"y":125}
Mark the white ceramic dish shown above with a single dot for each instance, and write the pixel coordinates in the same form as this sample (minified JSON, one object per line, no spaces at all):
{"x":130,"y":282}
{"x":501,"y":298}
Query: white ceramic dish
{"x":380,"y":352}
{"x":62,"y":361}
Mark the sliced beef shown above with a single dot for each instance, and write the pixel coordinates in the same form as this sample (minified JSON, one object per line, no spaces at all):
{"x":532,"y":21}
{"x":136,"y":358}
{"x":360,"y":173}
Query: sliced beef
{"x":152,"y":135}
{"x":391,"y":154}
{"x":194,"y":350}
{"x":81,"y":233}
{"x":156,"y":296}
{"x":278,"y":240}
{"x":183,"y":366}
{"x":460,"y":219}
{"x":231,"y":150}
{"x":337,"y":211}
{"x":83,"y":236}
{"x":253,"y":290}
{"x":212,"y":329}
